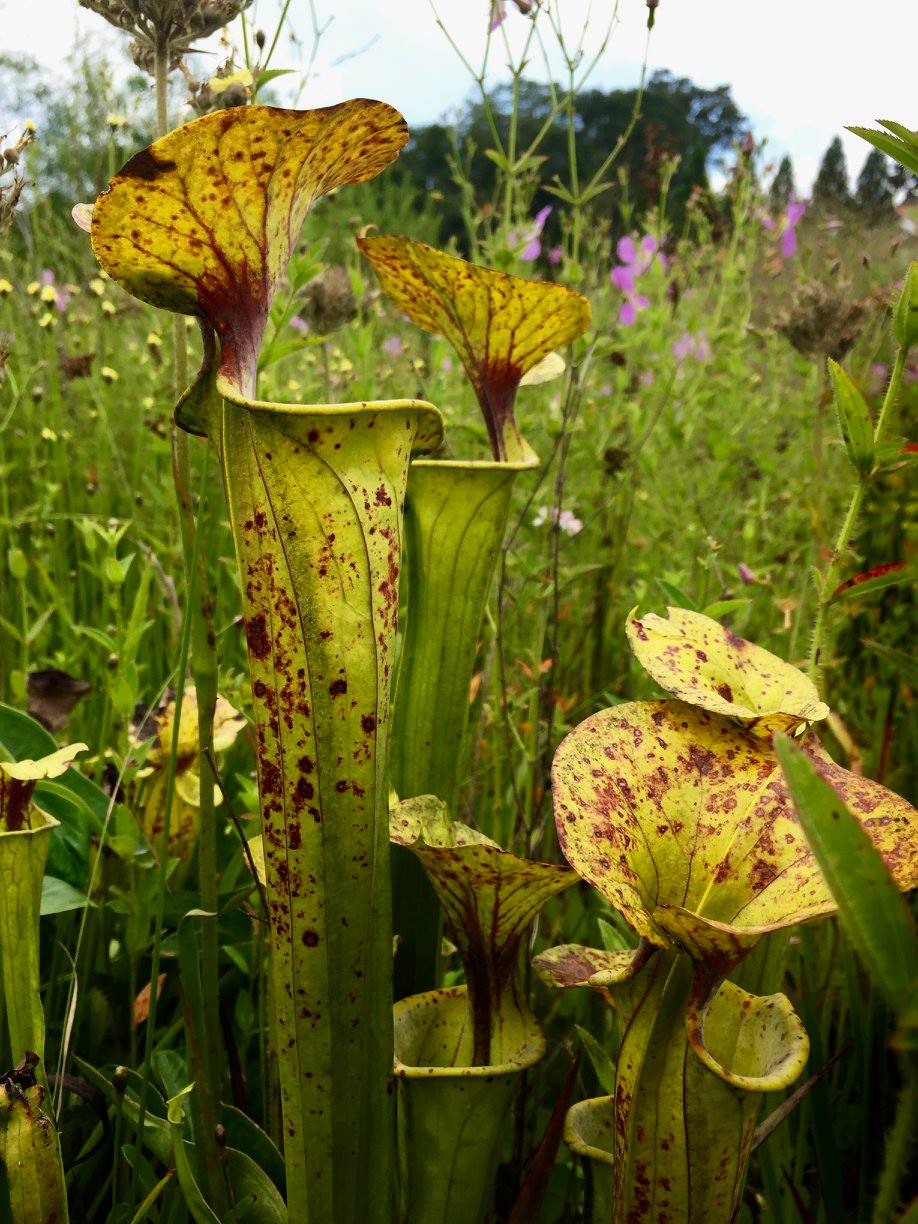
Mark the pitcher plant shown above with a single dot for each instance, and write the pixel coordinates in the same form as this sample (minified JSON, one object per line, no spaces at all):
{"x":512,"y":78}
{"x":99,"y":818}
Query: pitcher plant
{"x":203,"y":222}
{"x":31,"y":1173}
{"x":679,"y":815}
{"x":503,"y":329}
{"x":460,"y":1051}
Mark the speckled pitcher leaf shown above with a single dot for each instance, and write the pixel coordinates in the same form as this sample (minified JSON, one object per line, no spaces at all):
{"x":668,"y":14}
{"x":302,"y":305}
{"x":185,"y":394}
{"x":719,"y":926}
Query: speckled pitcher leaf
{"x":570,"y":965}
{"x":683,"y":821}
{"x":489,"y":896}
{"x":700,"y":661}
{"x":753,"y":1042}
{"x":501,"y":326}
{"x":203,"y":221}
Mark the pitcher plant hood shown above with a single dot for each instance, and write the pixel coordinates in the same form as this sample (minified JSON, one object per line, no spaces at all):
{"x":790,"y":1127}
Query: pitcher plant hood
{"x":489,"y":896}
{"x":203,"y":222}
{"x":683,"y":821}
{"x":702,"y":662}
{"x":501,"y":326}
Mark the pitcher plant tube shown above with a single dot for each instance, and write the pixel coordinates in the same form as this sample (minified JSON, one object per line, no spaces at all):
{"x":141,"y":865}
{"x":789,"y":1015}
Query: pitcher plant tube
{"x":504,"y":330}
{"x":203,"y":222}
{"x":681,"y":818}
{"x":31,"y":1172}
{"x":459,"y":1051}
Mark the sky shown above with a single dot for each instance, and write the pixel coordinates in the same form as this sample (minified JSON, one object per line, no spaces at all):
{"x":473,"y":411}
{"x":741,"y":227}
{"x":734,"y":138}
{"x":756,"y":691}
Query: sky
{"x":800,"y":69}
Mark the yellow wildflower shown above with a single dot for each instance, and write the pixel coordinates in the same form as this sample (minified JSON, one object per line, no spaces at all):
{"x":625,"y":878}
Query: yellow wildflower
{"x":97,"y":285}
{"x":109,"y":374}
{"x":32,"y":288}
{"x":48,"y":293}
{"x":107,"y":307}
{"x":5,"y":287}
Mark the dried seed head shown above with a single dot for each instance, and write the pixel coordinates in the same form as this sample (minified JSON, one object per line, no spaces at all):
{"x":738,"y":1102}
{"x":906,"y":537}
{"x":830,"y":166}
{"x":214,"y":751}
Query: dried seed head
{"x":821,"y":322}
{"x":328,"y":301}
{"x":165,"y":27}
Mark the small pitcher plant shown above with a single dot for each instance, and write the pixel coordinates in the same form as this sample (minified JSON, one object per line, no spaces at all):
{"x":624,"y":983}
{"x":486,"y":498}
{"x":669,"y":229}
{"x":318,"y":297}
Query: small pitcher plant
{"x":32,"y":1182}
{"x":679,"y":815}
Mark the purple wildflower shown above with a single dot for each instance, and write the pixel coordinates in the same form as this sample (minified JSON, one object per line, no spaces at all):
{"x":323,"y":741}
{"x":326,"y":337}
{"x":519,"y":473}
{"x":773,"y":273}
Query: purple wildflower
{"x":555,"y":255}
{"x":392,"y":346}
{"x":746,"y":574}
{"x":792,"y":214}
{"x":533,"y":248}
{"x":498,"y":15}
{"x":634,"y":261}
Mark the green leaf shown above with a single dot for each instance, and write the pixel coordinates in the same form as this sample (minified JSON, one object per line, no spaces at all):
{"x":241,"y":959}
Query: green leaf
{"x":57,"y":897}
{"x":723,"y":607}
{"x":602,"y":1063}
{"x":901,"y":145}
{"x":853,"y":418}
{"x":905,"y":319}
{"x":870,"y":906}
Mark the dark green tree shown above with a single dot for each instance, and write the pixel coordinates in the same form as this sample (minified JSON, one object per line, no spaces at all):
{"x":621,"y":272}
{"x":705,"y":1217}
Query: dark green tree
{"x":678,"y":118}
{"x":782,"y":185}
{"x":831,"y":189}
{"x":874,"y":194}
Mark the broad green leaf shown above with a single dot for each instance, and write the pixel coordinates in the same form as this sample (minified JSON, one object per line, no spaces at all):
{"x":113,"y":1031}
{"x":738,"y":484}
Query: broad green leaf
{"x":682,"y":820}
{"x":57,"y":897}
{"x":702,"y":662}
{"x":204,"y":220}
{"x":864,"y":884}
{"x":501,"y":326}
{"x":600,"y":1061}
{"x":489,"y":897}
{"x":854,"y":418}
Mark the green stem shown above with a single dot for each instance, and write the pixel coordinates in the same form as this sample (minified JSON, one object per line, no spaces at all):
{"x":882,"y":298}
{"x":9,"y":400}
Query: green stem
{"x":899,"y":1148}
{"x":830,"y":581}
{"x":204,"y":673}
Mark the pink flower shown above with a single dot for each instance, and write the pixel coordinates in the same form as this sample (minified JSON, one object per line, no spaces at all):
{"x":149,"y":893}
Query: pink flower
{"x":498,"y":15}
{"x":533,"y":248}
{"x":689,"y":345}
{"x":299,"y":324}
{"x":555,"y":255}
{"x":392,"y":346}
{"x":635,"y":260}
{"x":746,"y":574}
{"x":792,"y":214}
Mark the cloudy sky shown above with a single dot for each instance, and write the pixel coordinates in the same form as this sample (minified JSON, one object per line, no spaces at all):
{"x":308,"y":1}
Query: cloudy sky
{"x":801,"y":69}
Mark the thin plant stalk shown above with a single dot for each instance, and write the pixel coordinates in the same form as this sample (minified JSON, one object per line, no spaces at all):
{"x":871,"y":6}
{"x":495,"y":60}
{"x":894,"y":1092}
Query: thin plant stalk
{"x":815,"y":665}
{"x":204,"y":674}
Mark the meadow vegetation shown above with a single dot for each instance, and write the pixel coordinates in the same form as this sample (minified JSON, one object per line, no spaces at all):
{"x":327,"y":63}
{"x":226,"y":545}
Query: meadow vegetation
{"x":692,"y":456}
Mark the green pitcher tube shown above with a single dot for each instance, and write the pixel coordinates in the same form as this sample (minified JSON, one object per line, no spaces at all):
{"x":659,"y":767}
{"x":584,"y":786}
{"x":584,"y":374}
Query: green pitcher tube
{"x":315,"y":498}
{"x":452,"y":1115}
{"x":455,"y":520}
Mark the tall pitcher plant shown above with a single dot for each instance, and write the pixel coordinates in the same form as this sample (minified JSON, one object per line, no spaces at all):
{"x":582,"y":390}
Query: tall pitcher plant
{"x":502,"y":328}
{"x":678,"y":813}
{"x":203,"y":222}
